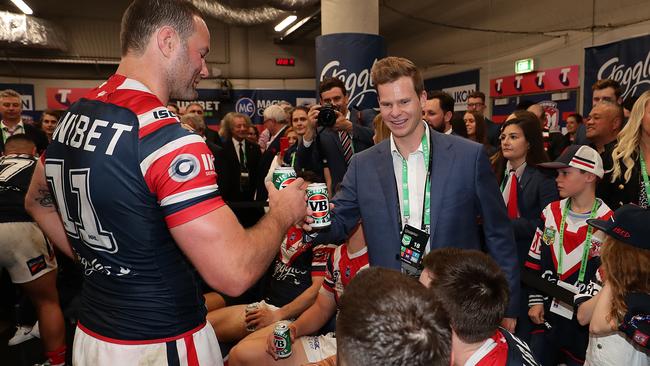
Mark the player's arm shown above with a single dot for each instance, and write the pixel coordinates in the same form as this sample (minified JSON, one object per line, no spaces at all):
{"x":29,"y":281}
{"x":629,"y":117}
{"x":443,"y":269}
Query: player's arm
{"x":264,"y":316}
{"x":316,"y":316}
{"x":39,"y":203}
{"x":601,"y":321}
{"x":231,"y":258}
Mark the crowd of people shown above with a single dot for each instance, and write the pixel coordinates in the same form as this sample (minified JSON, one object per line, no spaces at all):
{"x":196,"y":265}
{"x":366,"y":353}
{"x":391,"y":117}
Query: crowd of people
{"x":530,"y":246}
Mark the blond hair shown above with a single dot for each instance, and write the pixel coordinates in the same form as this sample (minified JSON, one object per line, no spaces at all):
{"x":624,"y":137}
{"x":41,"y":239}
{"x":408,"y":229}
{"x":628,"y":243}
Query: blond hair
{"x":629,"y":140}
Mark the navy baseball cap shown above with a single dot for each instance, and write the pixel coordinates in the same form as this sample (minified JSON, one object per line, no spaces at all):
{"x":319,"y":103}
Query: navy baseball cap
{"x":629,"y":224}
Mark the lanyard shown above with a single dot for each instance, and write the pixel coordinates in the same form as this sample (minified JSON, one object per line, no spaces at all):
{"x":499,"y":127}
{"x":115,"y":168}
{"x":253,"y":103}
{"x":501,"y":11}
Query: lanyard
{"x":586,"y":244}
{"x":406,"y":208}
{"x":644,"y":174}
{"x":506,"y":177}
{"x":293,"y":159}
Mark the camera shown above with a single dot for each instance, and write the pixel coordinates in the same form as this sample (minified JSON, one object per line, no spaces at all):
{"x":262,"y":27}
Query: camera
{"x":327,"y":115}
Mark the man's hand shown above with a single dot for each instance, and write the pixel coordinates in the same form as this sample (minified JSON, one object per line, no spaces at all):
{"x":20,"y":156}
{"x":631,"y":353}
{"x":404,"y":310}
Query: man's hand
{"x":536,"y":314}
{"x":289,"y":205}
{"x":312,"y":116}
{"x":509,"y":324}
{"x":270,"y":345}
{"x":306,"y":225}
{"x":262,"y":317}
{"x":342,"y":123}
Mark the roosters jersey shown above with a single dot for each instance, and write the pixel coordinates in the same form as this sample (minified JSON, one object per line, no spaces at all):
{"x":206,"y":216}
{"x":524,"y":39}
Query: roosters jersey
{"x":294,"y":267}
{"x":341,"y":269}
{"x":15,"y":174}
{"x":544,"y":252}
{"x":123,"y":172}
{"x":502,"y":349}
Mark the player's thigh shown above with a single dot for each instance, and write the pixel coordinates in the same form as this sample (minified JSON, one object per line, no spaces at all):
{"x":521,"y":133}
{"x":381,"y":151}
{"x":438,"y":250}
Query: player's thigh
{"x":24,"y":252}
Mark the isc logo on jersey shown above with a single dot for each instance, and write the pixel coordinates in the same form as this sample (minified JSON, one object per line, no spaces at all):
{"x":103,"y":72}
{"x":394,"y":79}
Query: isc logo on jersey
{"x":246,"y":106}
{"x":184,"y":167}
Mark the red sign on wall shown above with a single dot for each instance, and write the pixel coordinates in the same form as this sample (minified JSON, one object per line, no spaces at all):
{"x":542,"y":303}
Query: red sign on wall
{"x":62,"y":98}
{"x":536,"y":82}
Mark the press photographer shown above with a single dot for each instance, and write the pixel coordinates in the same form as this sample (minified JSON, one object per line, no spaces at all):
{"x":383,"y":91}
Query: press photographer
{"x":340,"y":133}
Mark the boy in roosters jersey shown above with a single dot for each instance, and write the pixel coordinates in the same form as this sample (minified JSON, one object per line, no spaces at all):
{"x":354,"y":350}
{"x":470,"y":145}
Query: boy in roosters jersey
{"x":565,"y":251}
{"x":342,"y":265}
{"x":138,"y":206}
{"x":473,"y":291}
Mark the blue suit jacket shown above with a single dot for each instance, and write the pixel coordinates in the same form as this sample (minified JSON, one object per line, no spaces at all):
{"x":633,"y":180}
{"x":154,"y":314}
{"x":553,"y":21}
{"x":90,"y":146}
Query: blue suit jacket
{"x":463,"y":188}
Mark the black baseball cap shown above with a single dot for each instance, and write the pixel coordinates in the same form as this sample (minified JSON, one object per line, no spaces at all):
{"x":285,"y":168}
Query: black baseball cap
{"x":629,"y":224}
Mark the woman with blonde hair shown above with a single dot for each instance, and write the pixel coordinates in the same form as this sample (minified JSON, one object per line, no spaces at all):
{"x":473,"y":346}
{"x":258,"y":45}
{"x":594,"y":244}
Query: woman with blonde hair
{"x":619,"y":314}
{"x":628,"y":181}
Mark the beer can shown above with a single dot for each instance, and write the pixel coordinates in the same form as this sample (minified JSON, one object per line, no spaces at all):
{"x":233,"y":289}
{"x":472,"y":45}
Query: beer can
{"x":319,"y":203}
{"x":282,"y":340}
{"x":249,"y":308}
{"x":283,"y":176}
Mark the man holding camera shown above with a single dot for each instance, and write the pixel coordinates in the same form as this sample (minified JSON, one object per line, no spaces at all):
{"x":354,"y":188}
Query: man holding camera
{"x":340,"y":134}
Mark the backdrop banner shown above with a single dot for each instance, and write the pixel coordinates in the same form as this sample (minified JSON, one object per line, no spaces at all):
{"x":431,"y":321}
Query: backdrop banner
{"x":350,"y":56}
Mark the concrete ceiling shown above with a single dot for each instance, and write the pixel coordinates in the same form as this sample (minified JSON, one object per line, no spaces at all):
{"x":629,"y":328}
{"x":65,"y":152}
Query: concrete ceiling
{"x":430,"y":32}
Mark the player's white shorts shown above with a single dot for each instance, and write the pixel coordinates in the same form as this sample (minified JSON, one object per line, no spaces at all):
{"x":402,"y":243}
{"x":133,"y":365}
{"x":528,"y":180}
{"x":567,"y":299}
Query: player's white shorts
{"x":24,"y":252}
{"x":198,"y":347}
{"x":318,"y":348}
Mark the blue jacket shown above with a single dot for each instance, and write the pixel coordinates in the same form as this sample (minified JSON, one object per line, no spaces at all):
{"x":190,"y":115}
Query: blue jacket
{"x":463,"y":189}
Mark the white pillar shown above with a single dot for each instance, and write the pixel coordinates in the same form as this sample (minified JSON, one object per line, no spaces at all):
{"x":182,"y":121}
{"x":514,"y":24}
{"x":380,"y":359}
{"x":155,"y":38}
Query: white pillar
{"x":349,"y":16}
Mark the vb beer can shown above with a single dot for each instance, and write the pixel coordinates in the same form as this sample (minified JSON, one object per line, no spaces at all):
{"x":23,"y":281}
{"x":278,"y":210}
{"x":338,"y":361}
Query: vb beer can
{"x":282,"y":340}
{"x":319,"y":203}
{"x":283,"y":176}
{"x":249,"y":308}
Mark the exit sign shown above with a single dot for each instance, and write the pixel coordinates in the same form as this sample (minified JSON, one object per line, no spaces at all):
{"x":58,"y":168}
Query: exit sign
{"x":524,"y":66}
{"x":285,"y":61}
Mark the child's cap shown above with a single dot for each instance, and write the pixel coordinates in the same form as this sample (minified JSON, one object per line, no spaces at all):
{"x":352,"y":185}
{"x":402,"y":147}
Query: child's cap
{"x":578,"y":156}
{"x":629,"y":224}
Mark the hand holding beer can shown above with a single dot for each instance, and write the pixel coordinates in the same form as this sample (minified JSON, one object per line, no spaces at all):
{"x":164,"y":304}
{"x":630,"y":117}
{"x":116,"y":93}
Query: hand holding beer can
{"x":319,"y":203}
{"x":283,"y":176}
{"x":282,"y":340}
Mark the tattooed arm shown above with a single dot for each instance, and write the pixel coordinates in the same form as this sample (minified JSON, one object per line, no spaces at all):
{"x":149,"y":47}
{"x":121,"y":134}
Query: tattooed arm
{"x":40,"y":205}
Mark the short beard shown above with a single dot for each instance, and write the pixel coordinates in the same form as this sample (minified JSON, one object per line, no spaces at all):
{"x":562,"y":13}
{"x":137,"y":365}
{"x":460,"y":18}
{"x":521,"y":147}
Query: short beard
{"x":177,"y":88}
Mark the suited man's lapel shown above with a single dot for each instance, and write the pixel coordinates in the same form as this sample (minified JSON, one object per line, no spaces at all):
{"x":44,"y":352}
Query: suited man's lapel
{"x":443,"y":162}
{"x":386,"y":173}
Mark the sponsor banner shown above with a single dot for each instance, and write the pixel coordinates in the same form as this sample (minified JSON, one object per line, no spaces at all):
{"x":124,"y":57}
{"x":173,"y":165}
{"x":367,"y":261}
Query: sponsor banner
{"x":252,"y":102}
{"x":556,"y":110}
{"x":458,"y":85}
{"x":560,"y":78}
{"x":626,"y":61}
{"x":62,"y":98}
{"x":26,"y":93}
{"x":350,"y":56}
{"x":460,"y":95}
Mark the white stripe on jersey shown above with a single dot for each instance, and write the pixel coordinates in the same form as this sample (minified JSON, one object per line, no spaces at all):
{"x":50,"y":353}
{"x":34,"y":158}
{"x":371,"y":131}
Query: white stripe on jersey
{"x":147,"y":118}
{"x":189,"y":194}
{"x":131,"y":84}
{"x":167,"y":148}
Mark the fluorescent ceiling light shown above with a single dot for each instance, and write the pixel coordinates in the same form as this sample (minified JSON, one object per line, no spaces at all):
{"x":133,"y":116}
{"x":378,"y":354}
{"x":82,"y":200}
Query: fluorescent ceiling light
{"x":280,"y":27}
{"x":23,"y":7}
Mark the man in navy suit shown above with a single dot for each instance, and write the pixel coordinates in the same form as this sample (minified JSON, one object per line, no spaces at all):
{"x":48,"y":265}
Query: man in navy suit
{"x":335,"y":145}
{"x":385,"y":185}
{"x":11,"y":124}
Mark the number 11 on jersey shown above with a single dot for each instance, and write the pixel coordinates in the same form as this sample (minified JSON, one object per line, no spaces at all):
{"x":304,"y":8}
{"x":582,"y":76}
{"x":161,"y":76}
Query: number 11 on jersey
{"x":87,"y":227}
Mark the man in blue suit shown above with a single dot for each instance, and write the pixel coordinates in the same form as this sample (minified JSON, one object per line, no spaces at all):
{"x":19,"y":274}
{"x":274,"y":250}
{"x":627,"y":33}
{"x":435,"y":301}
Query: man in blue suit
{"x":463,"y":188}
